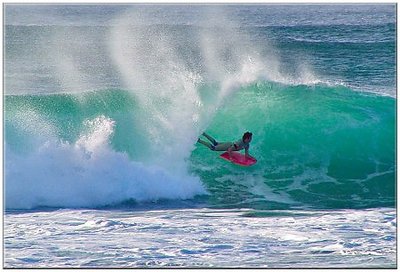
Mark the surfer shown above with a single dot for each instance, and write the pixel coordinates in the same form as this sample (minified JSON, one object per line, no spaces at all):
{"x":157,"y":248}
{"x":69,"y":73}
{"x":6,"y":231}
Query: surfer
{"x":244,"y":142}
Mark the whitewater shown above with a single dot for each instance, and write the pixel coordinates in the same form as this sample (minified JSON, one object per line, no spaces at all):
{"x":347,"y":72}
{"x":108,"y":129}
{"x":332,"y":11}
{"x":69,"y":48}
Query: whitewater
{"x":103,"y":106}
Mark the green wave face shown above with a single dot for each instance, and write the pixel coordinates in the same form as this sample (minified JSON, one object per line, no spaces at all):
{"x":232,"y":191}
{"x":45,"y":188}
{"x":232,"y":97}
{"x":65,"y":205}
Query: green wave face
{"x":317,"y":146}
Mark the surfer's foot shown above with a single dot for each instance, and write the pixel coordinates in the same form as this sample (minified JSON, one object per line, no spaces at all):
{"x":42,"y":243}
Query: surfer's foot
{"x":211,"y":139}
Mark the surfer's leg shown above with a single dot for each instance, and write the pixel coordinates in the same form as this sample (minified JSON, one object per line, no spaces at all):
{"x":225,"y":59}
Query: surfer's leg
{"x":210,"y":146}
{"x":211,"y":139}
{"x":223,"y":146}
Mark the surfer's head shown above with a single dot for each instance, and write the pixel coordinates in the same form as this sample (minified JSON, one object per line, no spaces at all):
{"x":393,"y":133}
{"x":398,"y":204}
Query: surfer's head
{"x":247,"y":137}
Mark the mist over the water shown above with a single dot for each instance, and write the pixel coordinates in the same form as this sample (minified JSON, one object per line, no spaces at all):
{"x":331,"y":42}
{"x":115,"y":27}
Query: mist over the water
{"x":104,"y":104}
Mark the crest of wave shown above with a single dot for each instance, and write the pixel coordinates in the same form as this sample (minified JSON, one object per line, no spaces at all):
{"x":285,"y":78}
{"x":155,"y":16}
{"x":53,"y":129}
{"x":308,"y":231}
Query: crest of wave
{"x":166,"y":66}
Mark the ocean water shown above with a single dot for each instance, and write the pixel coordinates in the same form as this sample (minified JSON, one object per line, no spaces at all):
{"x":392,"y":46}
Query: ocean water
{"x":103,"y":106}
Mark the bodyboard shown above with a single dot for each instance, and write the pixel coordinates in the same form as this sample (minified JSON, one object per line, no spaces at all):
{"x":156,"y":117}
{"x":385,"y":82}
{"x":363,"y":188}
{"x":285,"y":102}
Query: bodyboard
{"x":238,"y":158}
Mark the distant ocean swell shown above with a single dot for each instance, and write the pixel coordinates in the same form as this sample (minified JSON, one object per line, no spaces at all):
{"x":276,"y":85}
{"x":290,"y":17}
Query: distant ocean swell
{"x":318,"y":146}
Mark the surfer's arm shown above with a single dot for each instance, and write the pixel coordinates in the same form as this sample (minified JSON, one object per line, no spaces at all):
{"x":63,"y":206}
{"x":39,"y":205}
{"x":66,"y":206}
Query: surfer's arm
{"x":246,"y":153}
{"x":230,"y":152}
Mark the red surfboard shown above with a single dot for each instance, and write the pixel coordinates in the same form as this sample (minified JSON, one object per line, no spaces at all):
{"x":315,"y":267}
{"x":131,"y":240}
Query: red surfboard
{"x":238,"y":158}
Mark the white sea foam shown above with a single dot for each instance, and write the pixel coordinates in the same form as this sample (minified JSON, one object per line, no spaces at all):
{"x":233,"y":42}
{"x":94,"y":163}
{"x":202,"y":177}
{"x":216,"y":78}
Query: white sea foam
{"x":201,"y":238}
{"x":88,"y":173}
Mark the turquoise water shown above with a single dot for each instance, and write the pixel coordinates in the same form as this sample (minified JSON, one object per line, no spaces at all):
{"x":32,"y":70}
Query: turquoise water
{"x":317,"y":146}
{"x":103,"y":106}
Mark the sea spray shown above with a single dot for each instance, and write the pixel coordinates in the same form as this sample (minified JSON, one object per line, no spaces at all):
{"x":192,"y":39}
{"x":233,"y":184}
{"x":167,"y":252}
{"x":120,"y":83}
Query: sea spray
{"x":324,"y":186}
{"x":166,"y":75}
{"x":168,"y":70}
{"x":161,"y":84}
{"x":148,"y":60}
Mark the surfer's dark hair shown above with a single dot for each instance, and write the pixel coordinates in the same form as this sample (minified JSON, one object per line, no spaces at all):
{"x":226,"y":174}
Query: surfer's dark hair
{"x":247,"y":135}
